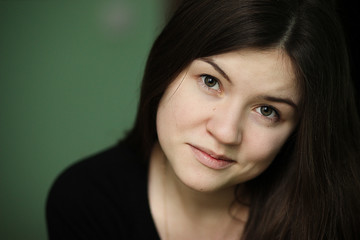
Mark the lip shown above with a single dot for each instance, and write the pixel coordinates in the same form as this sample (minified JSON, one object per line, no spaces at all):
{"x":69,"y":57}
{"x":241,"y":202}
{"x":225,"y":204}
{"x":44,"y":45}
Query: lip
{"x":211,"y":159}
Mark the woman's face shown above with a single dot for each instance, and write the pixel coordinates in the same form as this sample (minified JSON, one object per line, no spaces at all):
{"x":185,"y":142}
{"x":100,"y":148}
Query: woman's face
{"x":222,"y":121}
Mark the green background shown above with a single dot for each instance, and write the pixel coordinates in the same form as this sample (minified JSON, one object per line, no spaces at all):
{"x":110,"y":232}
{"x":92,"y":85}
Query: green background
{"x":69,"y":84}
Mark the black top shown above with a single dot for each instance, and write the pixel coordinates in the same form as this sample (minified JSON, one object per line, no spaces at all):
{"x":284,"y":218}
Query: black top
{"x":102,"y":197}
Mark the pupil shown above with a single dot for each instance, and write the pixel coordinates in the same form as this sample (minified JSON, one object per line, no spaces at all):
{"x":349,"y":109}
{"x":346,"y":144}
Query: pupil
{"x":266,"y":111}
{"x":210,"y":81}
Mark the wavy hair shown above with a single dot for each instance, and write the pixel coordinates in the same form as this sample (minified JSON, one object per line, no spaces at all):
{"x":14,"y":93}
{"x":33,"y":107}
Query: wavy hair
{"x":312,"y":188}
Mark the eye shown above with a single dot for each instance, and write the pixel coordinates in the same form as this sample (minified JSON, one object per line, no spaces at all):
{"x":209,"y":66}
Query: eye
{"x":211,"y":82}
{"x":268,"y":112}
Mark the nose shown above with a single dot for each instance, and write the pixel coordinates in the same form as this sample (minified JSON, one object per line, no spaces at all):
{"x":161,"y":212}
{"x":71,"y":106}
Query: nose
{"x":225,"y":124}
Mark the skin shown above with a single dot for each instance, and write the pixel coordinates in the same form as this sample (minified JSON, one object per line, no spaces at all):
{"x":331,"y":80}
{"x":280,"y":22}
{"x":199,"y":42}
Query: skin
{"x":239,"y":106}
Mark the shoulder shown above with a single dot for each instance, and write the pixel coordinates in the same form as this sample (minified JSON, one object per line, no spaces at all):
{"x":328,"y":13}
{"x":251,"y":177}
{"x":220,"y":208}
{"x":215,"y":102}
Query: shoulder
{"x":103,"y":195}
{"x":107,"y":167}
{"x":108,"y":171}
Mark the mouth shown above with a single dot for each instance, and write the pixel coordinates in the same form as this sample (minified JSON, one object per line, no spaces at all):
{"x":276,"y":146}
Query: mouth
{"x":211,"y":159}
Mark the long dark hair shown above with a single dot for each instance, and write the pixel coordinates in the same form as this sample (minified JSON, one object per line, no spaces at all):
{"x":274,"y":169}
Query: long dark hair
{"x":312,"y":188}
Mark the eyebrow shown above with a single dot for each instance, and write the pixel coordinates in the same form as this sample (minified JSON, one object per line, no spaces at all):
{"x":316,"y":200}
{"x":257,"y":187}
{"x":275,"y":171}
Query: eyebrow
{"x":268,"y":98}
{"x":216,"y":67}
{"x":280,"y":100}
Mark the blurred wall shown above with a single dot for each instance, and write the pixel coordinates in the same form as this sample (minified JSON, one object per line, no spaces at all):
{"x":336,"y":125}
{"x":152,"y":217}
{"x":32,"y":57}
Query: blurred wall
{"x":69,"y":86}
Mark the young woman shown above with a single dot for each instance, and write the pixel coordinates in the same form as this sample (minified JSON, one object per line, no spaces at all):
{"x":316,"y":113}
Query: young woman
{"x":246,"y":129}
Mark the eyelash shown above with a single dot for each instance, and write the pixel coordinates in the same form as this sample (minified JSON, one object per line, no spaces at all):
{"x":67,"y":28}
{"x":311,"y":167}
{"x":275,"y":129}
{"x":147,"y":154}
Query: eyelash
{"x":257,"y":109}
{"x":274,"y":111}
{"x":203,"y":77}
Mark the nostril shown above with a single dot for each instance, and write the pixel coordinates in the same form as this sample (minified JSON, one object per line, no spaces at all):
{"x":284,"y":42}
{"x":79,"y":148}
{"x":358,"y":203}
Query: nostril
{"x":224,"y":133}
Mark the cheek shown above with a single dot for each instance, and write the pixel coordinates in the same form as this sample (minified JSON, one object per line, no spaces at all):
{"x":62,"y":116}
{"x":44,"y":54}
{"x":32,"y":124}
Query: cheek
{"x":171,"y":113}
{"x":265,"y":145}
{"x":174,"y":119}
{"x":180,"y":110}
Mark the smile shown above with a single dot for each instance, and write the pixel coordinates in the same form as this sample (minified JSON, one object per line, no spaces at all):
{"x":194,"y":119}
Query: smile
{"x":210,"y":159}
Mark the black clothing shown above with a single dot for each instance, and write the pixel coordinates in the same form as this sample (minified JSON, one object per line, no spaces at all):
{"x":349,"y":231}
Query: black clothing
{"x":102,"y":197}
